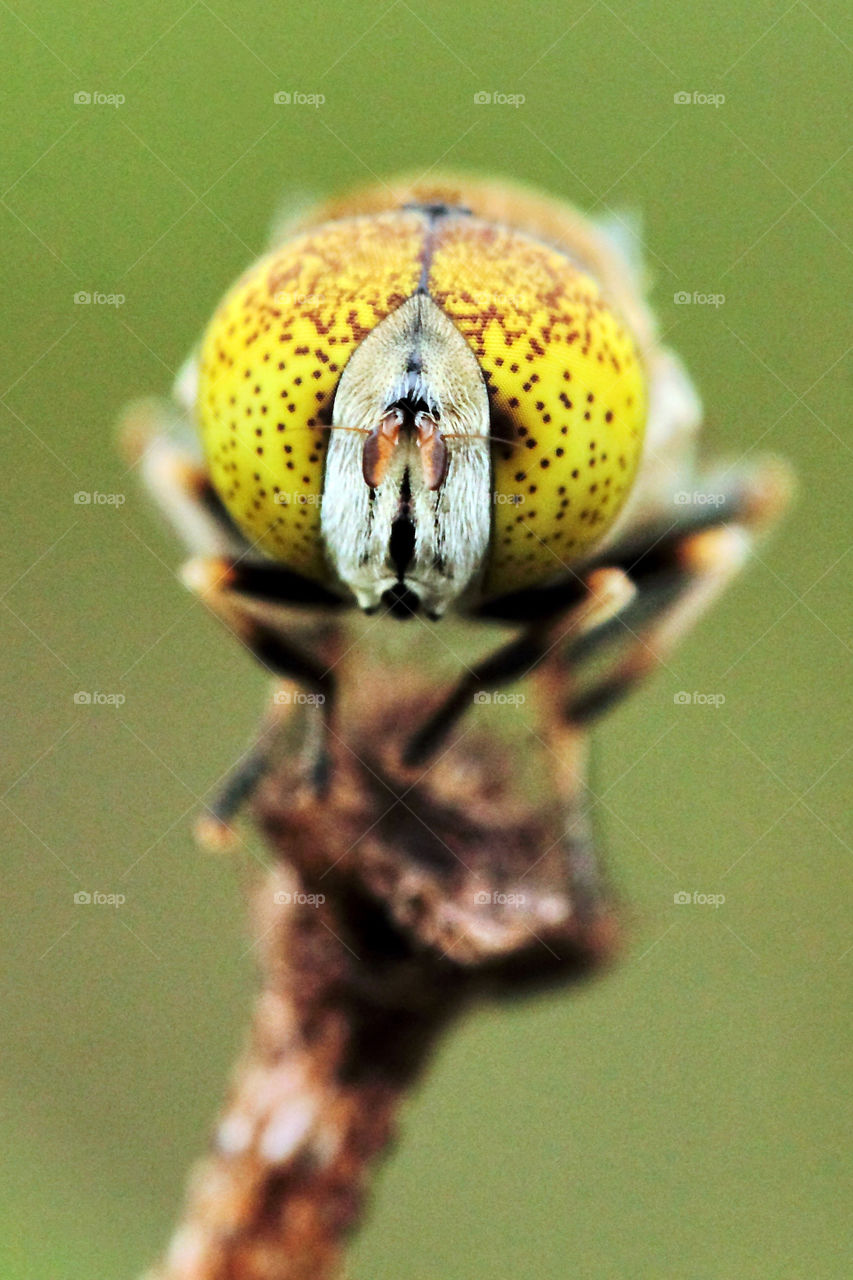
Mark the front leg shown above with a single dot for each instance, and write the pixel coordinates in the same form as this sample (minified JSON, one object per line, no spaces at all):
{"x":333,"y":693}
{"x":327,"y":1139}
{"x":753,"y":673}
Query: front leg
{"x":181,"y":487}
{"x":752,"y":499}
{"x":244,"y":596}
{"x":214,"y":829}
{"x":244,"y":591}
{"x":177,"y":481}
{"x":601,"y":596}
{"x":652,"y":586}
{"x":663,"y":612}
{"x":678,"y":575}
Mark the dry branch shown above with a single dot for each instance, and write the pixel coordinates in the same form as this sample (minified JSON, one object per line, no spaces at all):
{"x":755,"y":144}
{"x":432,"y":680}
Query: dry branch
{"x":392,"y":903}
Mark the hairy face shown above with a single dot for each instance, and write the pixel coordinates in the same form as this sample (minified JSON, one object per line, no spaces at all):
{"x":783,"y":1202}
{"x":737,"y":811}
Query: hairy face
{"x":408,"y":475}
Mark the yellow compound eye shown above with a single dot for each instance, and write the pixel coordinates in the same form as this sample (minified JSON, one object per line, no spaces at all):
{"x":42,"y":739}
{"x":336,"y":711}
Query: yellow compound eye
{"x":564,"y":380}
{"x":271,"y":360}
{"x":566,"y":389}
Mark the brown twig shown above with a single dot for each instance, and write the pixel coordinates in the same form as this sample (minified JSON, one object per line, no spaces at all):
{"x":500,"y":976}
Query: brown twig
{"x":392,"y":902}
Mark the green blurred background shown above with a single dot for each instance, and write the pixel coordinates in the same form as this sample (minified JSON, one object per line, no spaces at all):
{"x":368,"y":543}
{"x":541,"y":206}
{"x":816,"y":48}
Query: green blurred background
{"x":682,"y":1117}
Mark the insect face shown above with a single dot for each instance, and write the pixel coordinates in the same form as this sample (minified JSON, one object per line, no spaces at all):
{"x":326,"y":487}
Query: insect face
{"x":406,"y":505}
{"x":421,"y":406}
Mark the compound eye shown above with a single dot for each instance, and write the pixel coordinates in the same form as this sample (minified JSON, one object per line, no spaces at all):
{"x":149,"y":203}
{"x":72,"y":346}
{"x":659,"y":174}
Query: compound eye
{"x":270,"y":364}
{"x":567,"y":396}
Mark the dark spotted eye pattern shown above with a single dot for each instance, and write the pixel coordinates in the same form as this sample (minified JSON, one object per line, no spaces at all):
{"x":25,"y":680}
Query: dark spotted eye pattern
{"x":270,"y":363}
{"x":566,"y":390}
{"x":564,"y":377}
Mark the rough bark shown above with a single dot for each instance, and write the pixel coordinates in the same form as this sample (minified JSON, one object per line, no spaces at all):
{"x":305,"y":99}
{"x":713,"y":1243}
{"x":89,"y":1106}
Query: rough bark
{"x":390,"y":904}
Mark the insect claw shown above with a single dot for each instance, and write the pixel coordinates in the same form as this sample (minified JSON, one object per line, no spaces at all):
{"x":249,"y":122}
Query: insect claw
{"x":718,"y":551}
{"x":213,"y":835}
{"x":206,"y":576}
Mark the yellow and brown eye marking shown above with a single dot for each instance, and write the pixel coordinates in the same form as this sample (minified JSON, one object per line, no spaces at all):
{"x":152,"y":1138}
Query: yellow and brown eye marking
{"x":565,"y":379}
{"x":566,"y":388}
{"x":270,"y":363}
